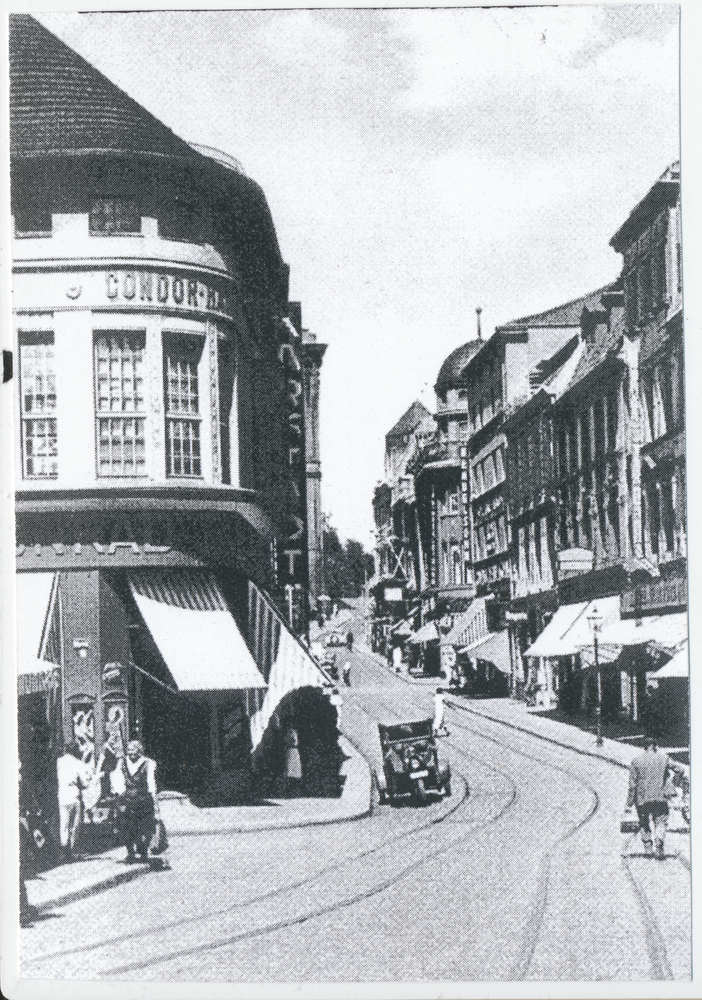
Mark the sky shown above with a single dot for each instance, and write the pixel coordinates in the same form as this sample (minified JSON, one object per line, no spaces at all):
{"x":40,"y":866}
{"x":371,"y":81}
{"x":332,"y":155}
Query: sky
{"x":418,"y":163}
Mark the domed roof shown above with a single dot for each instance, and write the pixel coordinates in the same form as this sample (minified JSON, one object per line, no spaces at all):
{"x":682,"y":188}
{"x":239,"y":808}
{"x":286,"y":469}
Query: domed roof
{"x":456,"y":362}
{"x":60,"y":103}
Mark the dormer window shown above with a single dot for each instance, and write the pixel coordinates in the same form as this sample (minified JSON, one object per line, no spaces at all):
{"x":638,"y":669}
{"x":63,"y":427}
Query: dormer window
{"x":111,"y":215}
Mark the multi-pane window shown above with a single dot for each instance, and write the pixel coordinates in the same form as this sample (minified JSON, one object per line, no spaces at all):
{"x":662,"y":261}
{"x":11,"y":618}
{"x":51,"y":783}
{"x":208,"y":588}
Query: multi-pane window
{"x":114,"y":215}
{"x":181,"y":358}
{"x":120,"y":404}
{"x":38,"y":406}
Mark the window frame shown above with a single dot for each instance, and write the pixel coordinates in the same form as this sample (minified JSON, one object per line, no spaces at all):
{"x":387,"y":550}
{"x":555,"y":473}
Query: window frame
{"x":177,"y":344}
{"x":47,"y":415}
{"x":134,"y":414}
{"x":114,"y":231}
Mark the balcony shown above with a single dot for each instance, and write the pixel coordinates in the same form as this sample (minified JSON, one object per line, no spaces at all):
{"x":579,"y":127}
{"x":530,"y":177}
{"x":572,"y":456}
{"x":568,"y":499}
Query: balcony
{"x":437,"y":454}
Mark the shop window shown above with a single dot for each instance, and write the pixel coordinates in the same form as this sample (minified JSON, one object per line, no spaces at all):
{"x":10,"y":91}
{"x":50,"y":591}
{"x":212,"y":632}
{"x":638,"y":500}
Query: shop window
{"x":37,"y":378}
{"x":499,"y":465}
{"x":121,"y":408}
{"x":181,"y":359}
{"x":33,"y":219}
{"x":112,"y":215}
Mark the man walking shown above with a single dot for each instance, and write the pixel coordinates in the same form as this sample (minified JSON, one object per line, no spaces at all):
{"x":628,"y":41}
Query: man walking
{"x":650,"y":785}
{"x":139,"y":805}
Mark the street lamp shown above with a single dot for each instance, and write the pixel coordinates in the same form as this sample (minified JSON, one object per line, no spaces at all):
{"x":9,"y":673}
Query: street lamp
{"x":595,"y":622}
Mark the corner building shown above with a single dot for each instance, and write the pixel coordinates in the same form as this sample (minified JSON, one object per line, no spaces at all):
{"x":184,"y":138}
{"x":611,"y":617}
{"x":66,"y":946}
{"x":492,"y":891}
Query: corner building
{"x":165,"y":392}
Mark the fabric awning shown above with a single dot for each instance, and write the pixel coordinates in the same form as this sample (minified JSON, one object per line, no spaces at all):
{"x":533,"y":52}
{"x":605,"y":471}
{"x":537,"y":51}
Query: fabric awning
{"x":195,"y":632}
{"x":469,"y":627}
{"x":281,"y":658}
{"x":569,"y":630}
{"x":666,"y":631}
{"x":678,"y":666}
{"x":36,"y":594}
{"x":402,"y":628}
{"x":494,"y":648}
{"x":427,"y":633}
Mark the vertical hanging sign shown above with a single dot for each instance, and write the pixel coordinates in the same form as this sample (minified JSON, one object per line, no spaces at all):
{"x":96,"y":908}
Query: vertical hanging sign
{"x":292,"y":546}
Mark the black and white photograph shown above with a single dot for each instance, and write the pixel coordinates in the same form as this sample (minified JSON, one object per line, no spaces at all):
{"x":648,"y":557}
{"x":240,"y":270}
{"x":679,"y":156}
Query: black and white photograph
{"x":345,"y":499}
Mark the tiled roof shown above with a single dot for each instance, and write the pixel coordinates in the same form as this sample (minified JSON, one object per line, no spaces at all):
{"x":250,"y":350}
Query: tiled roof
{"x":567,"y":314}
{"x":454,"y":364}
{"x":409,"y":420}
{"x":59,"y":102}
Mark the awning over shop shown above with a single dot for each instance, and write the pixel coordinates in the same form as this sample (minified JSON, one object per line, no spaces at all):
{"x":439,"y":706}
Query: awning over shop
{"x":469,"y":627}
{"x":281,"y":658}
{"x":195,"y":632}
{"x":666,"y":631}
{"x":678,"y":666}
{"x":427,"y":633}
{"x":569,"y":630}
{"x":402,"y":628}
{"x":494,"y":649}
{"x":36,"y":597}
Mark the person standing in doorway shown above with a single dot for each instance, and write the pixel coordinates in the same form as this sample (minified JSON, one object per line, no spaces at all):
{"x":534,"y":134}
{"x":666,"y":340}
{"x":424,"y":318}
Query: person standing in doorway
{"x":651,"y":784}
{"x":293,"y":763}
{"x":73,"y":776}
{"x":139,"y":802}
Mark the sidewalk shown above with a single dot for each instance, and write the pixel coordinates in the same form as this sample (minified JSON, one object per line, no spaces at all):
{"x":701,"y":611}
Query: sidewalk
{"x":519,"y":715}
{"x":183,"y":819}
{"x":68,"y":883}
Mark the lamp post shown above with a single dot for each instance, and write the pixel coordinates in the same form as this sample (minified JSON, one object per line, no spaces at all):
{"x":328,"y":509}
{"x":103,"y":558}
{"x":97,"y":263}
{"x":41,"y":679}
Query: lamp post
{"x":595,"y":621}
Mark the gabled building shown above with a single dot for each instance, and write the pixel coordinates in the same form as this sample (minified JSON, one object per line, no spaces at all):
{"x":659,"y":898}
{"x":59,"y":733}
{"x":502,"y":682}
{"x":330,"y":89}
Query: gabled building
{"x":166,"y":434}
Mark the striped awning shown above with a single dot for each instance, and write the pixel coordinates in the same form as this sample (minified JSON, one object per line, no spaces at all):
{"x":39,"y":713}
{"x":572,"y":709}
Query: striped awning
{"x":36,"y":600}
{"x":194,"y":631}
{"x":494,"y":648}
{"x":427,"y":633}
{"x":281,"y":658}
{"x":469,"y":627}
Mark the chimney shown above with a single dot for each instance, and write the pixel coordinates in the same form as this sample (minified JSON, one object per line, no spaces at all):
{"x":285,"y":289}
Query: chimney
{"x":477,"y":313}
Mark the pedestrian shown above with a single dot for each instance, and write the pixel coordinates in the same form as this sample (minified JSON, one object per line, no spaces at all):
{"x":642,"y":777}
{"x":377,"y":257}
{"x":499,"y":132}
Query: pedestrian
{"x":438,"y":726}
{"x":293,"y":763}
{"x":139,"y":802}
{"x":651,"y":784}
{"x":397,"y":659}
{"x":349,"y":640}
{"x":73,"y":776}
{"x":346,"y":673}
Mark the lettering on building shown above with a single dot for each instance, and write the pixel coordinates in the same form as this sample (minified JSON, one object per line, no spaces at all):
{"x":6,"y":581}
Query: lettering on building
{"x":175,"y":291}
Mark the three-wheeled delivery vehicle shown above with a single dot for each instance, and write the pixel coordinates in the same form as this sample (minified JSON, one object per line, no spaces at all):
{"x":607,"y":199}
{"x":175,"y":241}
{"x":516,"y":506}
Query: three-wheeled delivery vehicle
{"x":411,"y":765}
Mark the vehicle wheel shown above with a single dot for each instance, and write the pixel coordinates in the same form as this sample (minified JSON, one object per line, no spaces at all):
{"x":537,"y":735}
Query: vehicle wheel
{"x":422,"y":793}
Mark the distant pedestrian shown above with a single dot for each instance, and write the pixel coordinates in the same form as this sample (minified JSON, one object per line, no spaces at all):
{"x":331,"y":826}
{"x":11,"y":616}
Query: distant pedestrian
{"x":73,"y":776}
{"x":651,"y":784}
{"x":293,"y":763}
{"x":139,"y":802}
{"x":397,"y":659}
{"x":438,"y":726}
{"x":346,"y":673}
{"x":349,"y":640}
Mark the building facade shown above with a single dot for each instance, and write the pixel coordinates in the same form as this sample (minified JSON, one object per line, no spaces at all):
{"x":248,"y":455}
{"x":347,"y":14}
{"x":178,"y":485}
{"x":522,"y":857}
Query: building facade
{"x":166,"y":452}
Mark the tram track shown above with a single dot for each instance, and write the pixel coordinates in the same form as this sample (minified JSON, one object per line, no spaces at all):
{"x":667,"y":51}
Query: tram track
{"x":534,"y":923}
{"x":655,"y":943}
{"x":519,"y":971}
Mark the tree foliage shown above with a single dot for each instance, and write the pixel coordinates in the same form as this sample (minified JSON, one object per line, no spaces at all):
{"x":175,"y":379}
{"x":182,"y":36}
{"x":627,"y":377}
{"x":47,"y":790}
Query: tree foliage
{"x":346,"y":567}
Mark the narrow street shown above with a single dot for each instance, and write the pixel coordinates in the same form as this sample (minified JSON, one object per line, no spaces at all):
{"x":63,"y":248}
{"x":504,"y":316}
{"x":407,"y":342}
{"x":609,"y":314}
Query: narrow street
{"x":523,"y":879}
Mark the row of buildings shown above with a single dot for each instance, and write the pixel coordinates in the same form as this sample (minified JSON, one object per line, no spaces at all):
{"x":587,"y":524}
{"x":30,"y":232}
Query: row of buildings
{"x":167,"y":461}
{"x":545,"y":500}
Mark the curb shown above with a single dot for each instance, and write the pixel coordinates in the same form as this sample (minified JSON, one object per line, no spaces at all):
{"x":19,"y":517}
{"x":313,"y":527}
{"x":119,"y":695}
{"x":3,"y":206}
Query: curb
{"x":91,"y":890}
{"x":348,"y":817}
{"x":539,"y":736}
